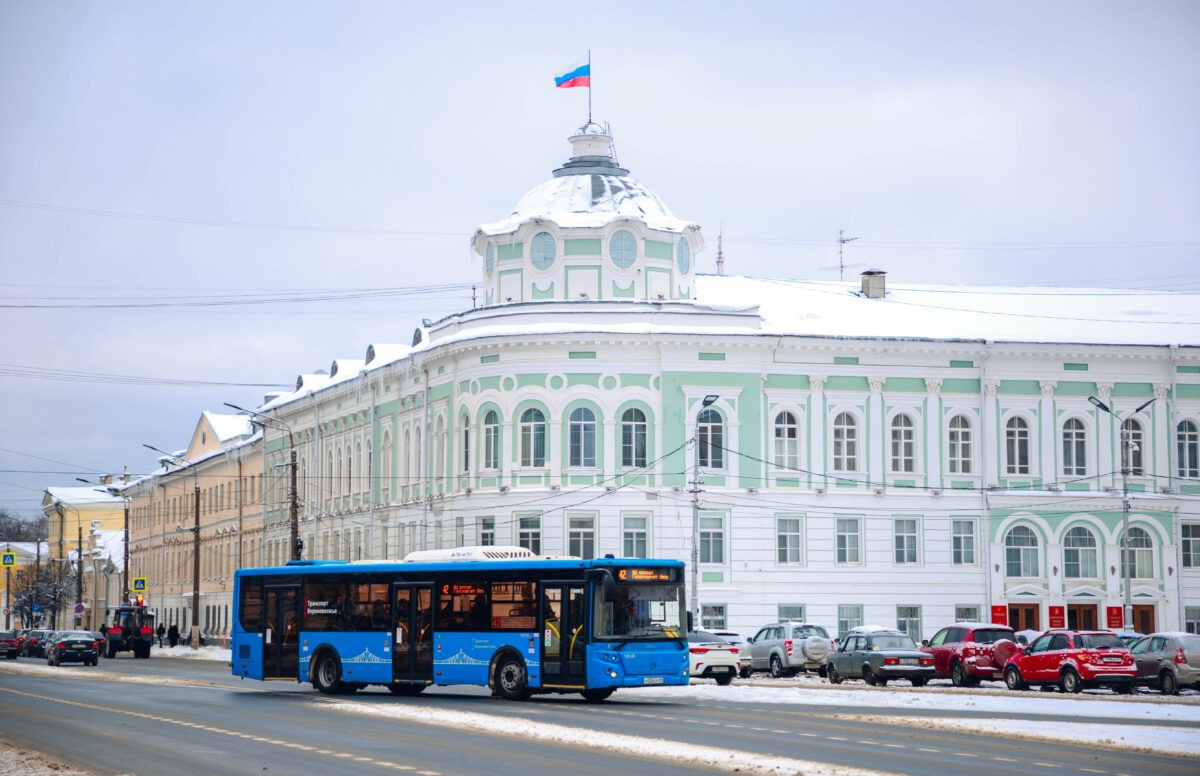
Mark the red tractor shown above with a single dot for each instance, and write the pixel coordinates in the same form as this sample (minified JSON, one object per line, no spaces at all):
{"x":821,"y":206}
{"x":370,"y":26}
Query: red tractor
{"x":132,"y":630}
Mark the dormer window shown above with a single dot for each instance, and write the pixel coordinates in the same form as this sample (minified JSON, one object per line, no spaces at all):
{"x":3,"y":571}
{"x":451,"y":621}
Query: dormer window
{"x":683,"y":257}
{"x":622,"y":249}
{"x":541,"y":252}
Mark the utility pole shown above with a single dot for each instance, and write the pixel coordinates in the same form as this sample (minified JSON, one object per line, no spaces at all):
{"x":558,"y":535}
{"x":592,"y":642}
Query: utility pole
{"x":196,"y":572}
{"x":79,"y":564}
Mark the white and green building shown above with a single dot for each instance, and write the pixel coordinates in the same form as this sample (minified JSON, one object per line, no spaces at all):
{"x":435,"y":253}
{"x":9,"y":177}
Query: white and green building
{"x":842,"y":453}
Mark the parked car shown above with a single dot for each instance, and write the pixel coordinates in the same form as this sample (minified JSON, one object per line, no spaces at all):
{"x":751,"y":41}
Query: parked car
{"x":712,"y":657}
{"x":10,"y":644}
{"x":878,"y":655}
{"x":1026,"y":637}
{"x":72,"y":647}
{"x":33,"y":644}
{"x":969,"y":652}
{"x":739,"y":641}
{"x":785,"y":648}
{"x":1129,"y":636}
{"x":1073,"y":660}
{"x":1168,"y":660}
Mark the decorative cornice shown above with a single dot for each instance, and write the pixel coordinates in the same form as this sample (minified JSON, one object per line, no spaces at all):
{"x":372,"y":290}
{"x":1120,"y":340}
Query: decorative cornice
{"x":1047,"y":387}
{"x":1104,"y":391}
{"x":990,"y":387}
{"x":817,"y":382}
{"x":933,"y":385}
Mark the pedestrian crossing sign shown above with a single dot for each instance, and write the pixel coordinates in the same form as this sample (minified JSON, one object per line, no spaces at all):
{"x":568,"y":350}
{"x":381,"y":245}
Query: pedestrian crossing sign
{"x":10,"y":559}
{"x":139,"y":584}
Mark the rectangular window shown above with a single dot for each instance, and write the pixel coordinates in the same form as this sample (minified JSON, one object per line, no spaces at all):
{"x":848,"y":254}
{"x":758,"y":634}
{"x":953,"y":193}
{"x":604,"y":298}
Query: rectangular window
{"x":908,"y":619}
{"x":966,"y":613}
{"x":1191,"y":619}
{"x":634,"y":537}
{"x":849,"y":616}
{"x":491,"y":446}
{"x":963,"y":542}
{"x":794,"y":612}
{"x":712,"y":540}
{"x":581,"y":537}
{"x":529,"y":533}
{"x":848,"y":540}
{"x":1190,"y":535}
{"x":487,"y":531}
{"x":712,"y":617}
{"x":904,"y":532}
{"x":788,"y":540}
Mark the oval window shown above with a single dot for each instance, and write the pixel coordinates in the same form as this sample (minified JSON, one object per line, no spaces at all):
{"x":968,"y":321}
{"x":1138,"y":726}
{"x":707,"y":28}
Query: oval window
{"x":622,"y":249}
{"x":542,"y":250}
{"x":489,"y":263}
{"x":683,"y":256}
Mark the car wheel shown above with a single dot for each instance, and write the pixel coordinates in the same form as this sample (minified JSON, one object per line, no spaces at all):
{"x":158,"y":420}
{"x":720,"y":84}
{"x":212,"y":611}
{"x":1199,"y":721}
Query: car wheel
{"x":958,"y":677}
{"x":1070,"y":682}
{"x":326,"y":676}
{"x":597,"y":695}
{"x":724,"y":679}
{"x":1124,"y":688}
{"x":511,"y":680}
{"x":1013,"y":680}
{"x":776,"y":667}
{"x":918,"y":681}
{"x":744,"y":672}
{"x":832,"y":675}
{"x":869,"y":676}
{"x":1167,"y":684}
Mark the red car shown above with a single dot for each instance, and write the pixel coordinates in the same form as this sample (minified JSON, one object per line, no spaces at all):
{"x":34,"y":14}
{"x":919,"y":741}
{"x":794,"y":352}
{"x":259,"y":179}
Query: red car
{"x":10,"y":644}
{"x":1073,"y":660}
{"x":968,"y":652}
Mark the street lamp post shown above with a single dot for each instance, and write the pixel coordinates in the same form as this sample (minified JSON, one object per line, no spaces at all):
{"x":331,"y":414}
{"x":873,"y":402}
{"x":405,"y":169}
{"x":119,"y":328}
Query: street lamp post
{"x":694,"y":603}
{"x":293,"y":494}
{"x":1126,"y":566}
{"x":195,"y":641}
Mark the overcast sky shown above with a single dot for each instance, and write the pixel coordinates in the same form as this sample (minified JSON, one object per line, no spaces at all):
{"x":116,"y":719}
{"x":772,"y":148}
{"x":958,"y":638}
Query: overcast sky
{"x":156,"y":158}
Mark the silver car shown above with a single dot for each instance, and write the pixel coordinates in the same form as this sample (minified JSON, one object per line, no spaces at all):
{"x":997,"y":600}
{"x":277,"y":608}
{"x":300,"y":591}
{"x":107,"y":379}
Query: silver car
{"x":784,"y":648}
{"x":1168,"y":661}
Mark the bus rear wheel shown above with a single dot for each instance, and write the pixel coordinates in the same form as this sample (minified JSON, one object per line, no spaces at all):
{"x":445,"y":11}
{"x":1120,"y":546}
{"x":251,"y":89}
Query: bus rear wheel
{"x":598,"y":694}
{"x":327,"y":675}
{"x":511,"y":680}
{"x":406,"y":689}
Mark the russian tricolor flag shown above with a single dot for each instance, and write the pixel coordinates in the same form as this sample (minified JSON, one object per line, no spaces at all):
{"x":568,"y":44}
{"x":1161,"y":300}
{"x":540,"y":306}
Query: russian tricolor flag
{"x":578,"y":74}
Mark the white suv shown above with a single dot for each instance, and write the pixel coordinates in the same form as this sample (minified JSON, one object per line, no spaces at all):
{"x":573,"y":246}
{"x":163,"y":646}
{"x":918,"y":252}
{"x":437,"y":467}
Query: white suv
{"x":785,"y":648}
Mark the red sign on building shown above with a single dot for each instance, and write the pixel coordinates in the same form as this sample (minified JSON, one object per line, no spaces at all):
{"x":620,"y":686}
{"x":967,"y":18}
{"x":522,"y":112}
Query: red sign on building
{"x":1000,"y":614}
{"x":1116,"y":619}
{"x":1058,"y":616}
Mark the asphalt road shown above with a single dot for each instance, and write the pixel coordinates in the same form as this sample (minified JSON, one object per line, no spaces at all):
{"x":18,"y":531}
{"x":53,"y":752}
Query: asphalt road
{"x":167,"y":715}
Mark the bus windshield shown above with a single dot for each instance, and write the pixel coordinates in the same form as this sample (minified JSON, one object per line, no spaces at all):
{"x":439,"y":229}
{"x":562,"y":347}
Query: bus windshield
{"x":640,"y":611}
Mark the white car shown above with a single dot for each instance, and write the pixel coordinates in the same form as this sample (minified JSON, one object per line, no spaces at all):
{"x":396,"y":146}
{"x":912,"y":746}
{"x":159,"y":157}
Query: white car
{"x":712,"y":657}
{"x":739,"y":641}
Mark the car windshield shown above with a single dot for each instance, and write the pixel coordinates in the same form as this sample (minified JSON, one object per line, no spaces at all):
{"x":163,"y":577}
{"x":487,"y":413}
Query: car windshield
{"x":991,"y":636}
{"x":892,"y":642}
{"x":1100,"y":641}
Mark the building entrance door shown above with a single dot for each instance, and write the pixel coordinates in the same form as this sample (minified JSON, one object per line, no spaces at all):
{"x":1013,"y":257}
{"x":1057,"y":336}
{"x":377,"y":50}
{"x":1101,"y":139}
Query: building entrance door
{"x":1082,"y":616}
{"x":1023,"y":617}
{"x":1143,"y":618}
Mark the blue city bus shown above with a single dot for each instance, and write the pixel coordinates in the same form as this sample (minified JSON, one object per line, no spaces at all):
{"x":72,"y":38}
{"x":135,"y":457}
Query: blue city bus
{"x":487,"y":616}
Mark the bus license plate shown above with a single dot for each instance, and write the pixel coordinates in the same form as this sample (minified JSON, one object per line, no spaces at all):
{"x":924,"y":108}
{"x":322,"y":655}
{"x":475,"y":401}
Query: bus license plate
{"x":652,"y":680}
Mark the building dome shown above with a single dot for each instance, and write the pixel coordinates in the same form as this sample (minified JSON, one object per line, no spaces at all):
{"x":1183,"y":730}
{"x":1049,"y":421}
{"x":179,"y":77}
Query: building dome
{"x":590,"y":232}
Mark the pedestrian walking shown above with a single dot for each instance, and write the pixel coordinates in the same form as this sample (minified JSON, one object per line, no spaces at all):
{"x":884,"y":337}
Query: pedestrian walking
{"x":173,"y":635}
{"x":160,"y":632}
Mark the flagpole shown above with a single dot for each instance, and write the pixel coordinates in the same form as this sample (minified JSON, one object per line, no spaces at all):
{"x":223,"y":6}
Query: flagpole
{"x":589,"y":86}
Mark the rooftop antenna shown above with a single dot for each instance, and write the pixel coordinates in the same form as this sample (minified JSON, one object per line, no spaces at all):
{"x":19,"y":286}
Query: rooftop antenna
{"x":720,"y":252}
{"x":841,"y":265}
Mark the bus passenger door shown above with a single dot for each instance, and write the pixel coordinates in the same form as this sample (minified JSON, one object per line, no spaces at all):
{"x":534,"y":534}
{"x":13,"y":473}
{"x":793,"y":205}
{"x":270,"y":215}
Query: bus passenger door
{"x":281,"y":636}
{"x":412,"y":631}
{"x":564,"y":634}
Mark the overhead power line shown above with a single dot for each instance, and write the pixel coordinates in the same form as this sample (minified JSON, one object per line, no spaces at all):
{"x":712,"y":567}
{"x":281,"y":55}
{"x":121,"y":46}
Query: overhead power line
{"x":77,"y":376}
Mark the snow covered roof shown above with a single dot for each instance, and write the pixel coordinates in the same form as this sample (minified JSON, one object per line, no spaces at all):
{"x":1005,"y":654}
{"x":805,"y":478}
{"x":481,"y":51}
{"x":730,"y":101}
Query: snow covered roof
{"x":228,"y":427}
{"x":1012,"y":314}
{"x":86,"y":494}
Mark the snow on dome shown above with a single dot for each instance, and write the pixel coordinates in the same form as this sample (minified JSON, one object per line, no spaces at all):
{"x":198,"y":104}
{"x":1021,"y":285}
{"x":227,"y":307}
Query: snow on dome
{"x":590,"y":191}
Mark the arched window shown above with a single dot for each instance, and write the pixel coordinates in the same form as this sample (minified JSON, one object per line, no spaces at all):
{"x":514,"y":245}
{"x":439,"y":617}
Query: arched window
{"x":466,"y":443}
{"x":904,"y":445}
{"x":958,"y":441}
{"x":1139,"y":556}
{"x":845,"y":443}
{"x":533,"y":438}
{"x":622,"y":249}
{"x":787,"y":441}
{"x":1021,"y":552}
{"x":683,"y":257}
{"x":581,"y":441}
{"x":710,"y":436}
{"x":541,"y":252}
{"x":491,"y":440}
{"x":1074,"y":442}
{"x":633,"y":438}
{"x":1080,"y":558}
{"x":1187,"y":440}
{"x":1016,"y":446}
{"x":1131,"y":447}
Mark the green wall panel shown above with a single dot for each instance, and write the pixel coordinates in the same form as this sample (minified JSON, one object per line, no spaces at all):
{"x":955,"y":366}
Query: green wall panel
{"x":588,"y":247}
{"x":906,"y":384}
{"x":960,"y":385}
{"x":846,"y":383}
{"x":510,"y":251}
{"x":788,"y":382}
{"x":540,"y":294}
{"x":657,"y":249}
{"x":527,"y":381}
{"x":1133,"y":390}
{"x":635,"y":381}
{"x":1074,"y":388}
{"x":1188,"y":391}
{"x":1019,"y":388}
{"x":583,"y":378}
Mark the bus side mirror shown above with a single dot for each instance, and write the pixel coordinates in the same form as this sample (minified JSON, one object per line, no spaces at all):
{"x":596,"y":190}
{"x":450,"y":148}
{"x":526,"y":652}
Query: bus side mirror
{"x":690,"y":625}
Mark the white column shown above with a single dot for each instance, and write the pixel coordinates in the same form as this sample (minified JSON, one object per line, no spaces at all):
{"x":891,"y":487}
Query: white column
{"x":877,"y":444}
{"x":1047,"y":433}
{"x":816,"y":430}
{"x":989,"y":442}
{"x":1161,"y":435}
{"x":1107,"y":460}
{"x":933,"y":432}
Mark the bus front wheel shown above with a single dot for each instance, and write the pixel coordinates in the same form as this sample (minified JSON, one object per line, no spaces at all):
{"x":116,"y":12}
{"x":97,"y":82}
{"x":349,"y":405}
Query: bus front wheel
{"x":511,"y":680}
{"x":327,"y":675}
{"x":598,"y":694}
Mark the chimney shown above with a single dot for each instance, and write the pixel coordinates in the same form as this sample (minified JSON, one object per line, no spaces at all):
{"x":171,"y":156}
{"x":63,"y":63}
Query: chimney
{"x":874,"y":284}
{"x":106,"y":479}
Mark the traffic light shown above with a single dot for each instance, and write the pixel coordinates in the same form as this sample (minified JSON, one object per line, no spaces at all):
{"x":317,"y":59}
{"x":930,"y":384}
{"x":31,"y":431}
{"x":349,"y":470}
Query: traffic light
{"x":140,"y":602}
